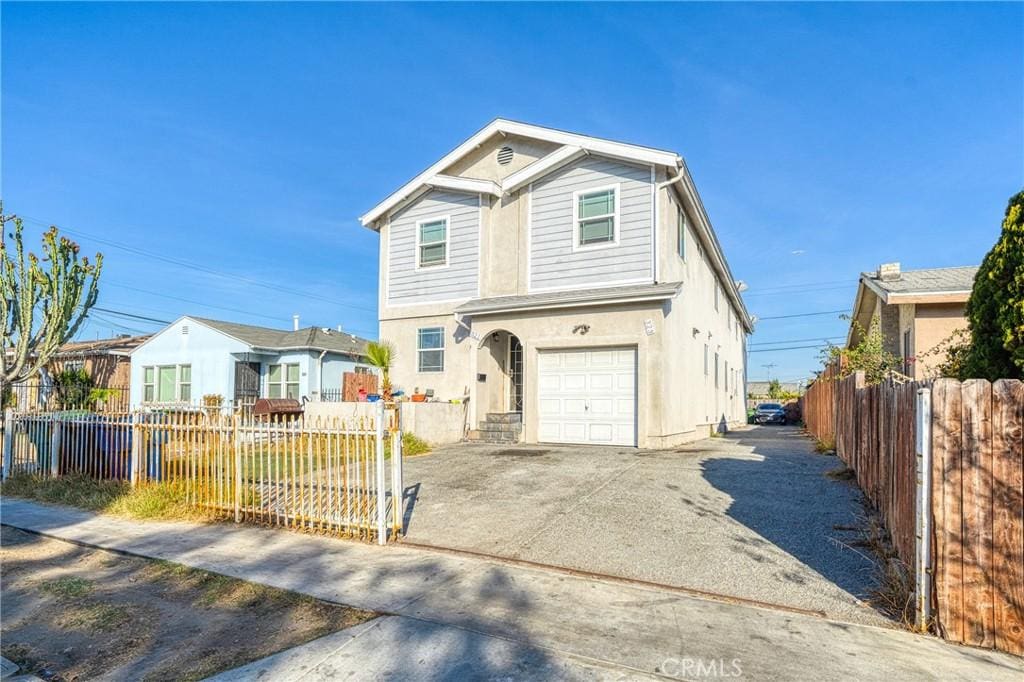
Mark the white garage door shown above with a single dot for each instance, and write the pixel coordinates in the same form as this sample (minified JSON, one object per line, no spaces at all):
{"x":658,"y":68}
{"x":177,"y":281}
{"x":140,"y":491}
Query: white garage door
{"x":587,"y":396}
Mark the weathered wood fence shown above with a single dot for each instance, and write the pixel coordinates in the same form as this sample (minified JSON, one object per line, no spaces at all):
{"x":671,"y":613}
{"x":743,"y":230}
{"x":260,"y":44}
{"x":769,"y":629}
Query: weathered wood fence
{"x":353,"y":382}
{"x":976,"y":490}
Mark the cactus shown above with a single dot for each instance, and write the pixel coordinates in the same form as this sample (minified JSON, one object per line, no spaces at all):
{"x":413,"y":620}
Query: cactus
{"x":43,"y":301}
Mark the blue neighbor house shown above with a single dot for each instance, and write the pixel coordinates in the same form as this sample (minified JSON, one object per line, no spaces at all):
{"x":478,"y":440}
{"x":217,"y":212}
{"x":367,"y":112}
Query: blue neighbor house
{"x":193,"y":357}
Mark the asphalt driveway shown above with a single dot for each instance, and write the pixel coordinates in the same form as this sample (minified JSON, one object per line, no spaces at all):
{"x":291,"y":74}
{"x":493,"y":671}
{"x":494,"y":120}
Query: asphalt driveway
{"x":750,"y":515}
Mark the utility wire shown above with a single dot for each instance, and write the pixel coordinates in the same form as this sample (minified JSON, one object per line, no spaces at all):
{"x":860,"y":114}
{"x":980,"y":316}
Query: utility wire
{"x":786,"y":317}
{"x":816,"y":338}
{"x":131,"y":315}
{"x":772,"y":350}
{"x":200,"y":268}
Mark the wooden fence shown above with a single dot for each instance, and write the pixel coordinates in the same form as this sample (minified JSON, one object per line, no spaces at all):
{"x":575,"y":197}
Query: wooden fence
{"x":976,"y":485}
{"x":324,"y":475}
{"x":818,"y":406}
{"x":352,"y":382}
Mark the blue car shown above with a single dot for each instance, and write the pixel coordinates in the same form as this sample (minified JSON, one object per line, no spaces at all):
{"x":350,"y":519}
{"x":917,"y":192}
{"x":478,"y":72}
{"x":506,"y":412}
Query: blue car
{"x":770,"y":413}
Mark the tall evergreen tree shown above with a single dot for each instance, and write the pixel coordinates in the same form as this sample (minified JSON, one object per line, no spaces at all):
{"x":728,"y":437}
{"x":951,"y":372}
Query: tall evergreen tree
{"x":995,"y":310}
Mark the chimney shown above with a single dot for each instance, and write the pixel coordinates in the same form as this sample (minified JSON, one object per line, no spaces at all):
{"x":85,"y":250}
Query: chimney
{"x":889,"y":272}
{"x":295,"y":322}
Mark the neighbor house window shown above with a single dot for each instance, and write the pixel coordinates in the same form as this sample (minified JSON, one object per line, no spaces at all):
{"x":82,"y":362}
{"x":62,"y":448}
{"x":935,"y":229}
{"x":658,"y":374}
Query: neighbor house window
{"x":363,"y":369}
{"x":681,"y":234}
{"x":283,"y":381}
{"x":726,"y":376}
{"x":705,"y":359}
{"x":716,"y":370}
{"x":430,"y":349}
{"x":167,"y":383}
{"x":432,"y":242}
{"x":717,"y":288}
{"x":595,"y":213}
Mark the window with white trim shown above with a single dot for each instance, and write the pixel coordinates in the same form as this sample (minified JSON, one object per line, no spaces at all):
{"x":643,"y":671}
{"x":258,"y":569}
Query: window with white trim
{"x":167,"y":383}
{"x":596,"y":215}
{"x":430,"y":349}
{"x":716,"y":370}
{"x":705,"y":359}
{"x":726,"y":376}
{"x":432,"y":242}
{"x":717,"y":288}
{"x":283,"y":380}
{"x":681,"y":233}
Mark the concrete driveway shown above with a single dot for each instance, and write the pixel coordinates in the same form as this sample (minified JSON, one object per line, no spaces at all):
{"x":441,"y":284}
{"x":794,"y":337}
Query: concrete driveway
{"x":750,"y":515}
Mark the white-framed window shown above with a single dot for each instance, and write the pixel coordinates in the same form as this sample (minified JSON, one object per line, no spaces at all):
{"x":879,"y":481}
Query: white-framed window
{"x":726,"y":376}
{"x":167,"y":383}
{"x":681,"y":232}
{"x":283,"y":380}
{"x":718,"y":287}
{"x":432,"y":242}
{"x":595,"y":214}
{"x":716,"y":370}
{"x":363,"y":369}
{"x":430,"y":349}
{"x":705,"y":359}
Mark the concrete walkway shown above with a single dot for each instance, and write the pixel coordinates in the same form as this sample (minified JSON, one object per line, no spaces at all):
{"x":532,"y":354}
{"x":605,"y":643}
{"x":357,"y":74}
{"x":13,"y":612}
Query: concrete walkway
{"x":457,"y":617}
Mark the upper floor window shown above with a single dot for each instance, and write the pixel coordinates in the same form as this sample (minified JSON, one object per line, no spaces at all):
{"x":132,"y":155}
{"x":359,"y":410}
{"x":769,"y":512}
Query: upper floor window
{"x":681,"y":233}
{"x":432,"y":242}
{"x":595,"y":216}
{"x":167,"y":383}
{"x":705,"y":359}
{"x":283,"y":381}
{"x":718,"y":287}
{"x":430,"y":349}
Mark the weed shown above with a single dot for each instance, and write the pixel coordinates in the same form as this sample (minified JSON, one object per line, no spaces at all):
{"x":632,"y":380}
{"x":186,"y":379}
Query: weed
{"x":412,"y":445}
{"x":843,"y":473}
{"x":825,"y":446}
{"x":67,"y":588}
{"x":95,"y":617}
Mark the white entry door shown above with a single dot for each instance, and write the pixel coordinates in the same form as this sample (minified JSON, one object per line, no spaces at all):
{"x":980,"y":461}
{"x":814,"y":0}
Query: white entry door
{"x":587,"y":396}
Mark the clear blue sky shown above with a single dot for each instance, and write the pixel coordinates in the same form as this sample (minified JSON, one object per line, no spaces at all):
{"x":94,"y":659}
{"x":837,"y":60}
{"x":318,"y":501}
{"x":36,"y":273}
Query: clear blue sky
{"x":824,"y":138}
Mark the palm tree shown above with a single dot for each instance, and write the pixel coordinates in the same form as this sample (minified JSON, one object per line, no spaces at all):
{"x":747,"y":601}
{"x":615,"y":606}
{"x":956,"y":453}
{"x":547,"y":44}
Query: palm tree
{"x":381,"y":354}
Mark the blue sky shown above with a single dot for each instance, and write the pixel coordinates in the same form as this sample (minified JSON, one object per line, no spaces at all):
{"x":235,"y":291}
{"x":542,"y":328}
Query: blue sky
{"x":824,"y":138}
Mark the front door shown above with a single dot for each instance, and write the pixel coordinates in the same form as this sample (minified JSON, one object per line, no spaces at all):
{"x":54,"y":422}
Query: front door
{"x":515,"y":373}
{"x":247,"y":383}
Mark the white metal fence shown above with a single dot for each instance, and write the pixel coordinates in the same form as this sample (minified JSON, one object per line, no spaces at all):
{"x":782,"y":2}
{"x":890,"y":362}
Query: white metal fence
{"x":339,"y":476}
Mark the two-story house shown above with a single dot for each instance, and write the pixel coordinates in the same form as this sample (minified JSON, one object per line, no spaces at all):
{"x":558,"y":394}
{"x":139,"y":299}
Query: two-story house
{"x":572,"y":283}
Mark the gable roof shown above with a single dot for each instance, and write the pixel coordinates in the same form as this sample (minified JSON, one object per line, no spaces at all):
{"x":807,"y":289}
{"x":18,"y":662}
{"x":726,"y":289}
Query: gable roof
{"x":308,"y":338}
{"x":119,"y":345}
{"x":498,"y":126}
{"x":952,"y":281}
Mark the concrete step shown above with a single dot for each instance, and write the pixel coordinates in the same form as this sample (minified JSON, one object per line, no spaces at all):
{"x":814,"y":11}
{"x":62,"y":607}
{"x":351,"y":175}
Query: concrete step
{"x":504,"y":418}
{"x":495,"y":427}
{"x":496,"y":437}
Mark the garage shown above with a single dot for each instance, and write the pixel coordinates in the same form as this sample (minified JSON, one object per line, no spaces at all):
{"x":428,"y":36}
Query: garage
{"x":587,"y":396}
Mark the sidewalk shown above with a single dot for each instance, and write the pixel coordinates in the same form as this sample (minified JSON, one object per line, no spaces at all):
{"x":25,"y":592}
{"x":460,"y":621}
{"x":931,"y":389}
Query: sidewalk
{"x":463,"y":617}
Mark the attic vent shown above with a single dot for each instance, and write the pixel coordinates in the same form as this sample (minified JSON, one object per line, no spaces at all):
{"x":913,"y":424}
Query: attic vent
{"x":184,"y":330}
{"x":505,"y":156}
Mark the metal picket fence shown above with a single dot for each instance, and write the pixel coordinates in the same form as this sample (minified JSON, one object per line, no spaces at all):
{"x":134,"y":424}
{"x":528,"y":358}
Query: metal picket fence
{"x":336,"y":476}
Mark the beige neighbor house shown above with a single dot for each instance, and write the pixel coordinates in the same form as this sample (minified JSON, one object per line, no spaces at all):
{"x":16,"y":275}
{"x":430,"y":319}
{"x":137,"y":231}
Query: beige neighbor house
{"x":569,"y":283}
{"x":917,"y":309}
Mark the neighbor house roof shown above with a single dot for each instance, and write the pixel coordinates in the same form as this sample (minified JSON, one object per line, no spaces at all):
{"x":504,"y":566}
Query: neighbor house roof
{"x":570,"y":299}
{"x":955,"y":282}
{"x":308,"y":338}
{"x":119,"y":345}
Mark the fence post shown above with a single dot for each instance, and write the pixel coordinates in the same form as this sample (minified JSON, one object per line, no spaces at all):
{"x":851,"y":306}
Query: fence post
{"x":381,"y":491}
{"x":56,"y":435}
{"x":923,"y":512}
{"x":237,"y":455}
{"x":397,"y":486}
{"x":8,"y":442}
{"x":136,"y":456}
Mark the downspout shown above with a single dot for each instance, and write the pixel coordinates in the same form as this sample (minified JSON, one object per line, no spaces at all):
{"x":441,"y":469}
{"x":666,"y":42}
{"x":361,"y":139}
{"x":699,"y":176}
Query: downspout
{"x":320,"y":375}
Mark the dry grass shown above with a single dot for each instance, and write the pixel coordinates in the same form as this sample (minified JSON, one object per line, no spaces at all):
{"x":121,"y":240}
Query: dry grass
{"x":825,"y":446}
{"x":150,"y":501}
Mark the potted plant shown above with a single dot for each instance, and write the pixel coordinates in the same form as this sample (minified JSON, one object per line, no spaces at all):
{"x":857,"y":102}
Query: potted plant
{"x":381,"y":354}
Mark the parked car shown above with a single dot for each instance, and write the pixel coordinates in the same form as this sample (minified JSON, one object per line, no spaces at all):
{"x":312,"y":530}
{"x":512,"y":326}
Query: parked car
{"x":770,"y":413}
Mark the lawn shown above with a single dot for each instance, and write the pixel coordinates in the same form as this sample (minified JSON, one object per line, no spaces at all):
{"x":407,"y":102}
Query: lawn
{"x":72,"y":612}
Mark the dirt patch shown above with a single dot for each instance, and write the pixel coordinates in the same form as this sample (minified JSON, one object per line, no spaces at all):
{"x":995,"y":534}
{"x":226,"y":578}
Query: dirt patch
{"x":75,"y":613}
{"x":519,"y":453}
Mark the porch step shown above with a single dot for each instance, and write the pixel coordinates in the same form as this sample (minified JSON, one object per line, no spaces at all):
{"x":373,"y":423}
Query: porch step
{"x":498,"y":427}
{"x":504,"y":418}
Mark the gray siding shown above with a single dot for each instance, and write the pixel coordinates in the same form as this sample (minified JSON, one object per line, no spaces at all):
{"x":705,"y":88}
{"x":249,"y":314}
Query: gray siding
{"x":553,"y":263}
{"x":460,"y":278}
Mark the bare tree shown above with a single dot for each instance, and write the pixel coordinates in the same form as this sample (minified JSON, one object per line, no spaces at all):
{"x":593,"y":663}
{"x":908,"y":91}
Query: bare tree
{"x":43,"y":301}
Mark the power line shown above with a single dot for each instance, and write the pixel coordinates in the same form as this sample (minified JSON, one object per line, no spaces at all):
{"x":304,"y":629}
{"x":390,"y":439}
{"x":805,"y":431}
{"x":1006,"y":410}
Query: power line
{"x":796,"y":291}
{"x":772,"y":350}
{"x":803,"y":285}
{"x":816,"y":338}
{"x":131,"y":315}
{"x":786,"y":317}
{"x":202,"y":268}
